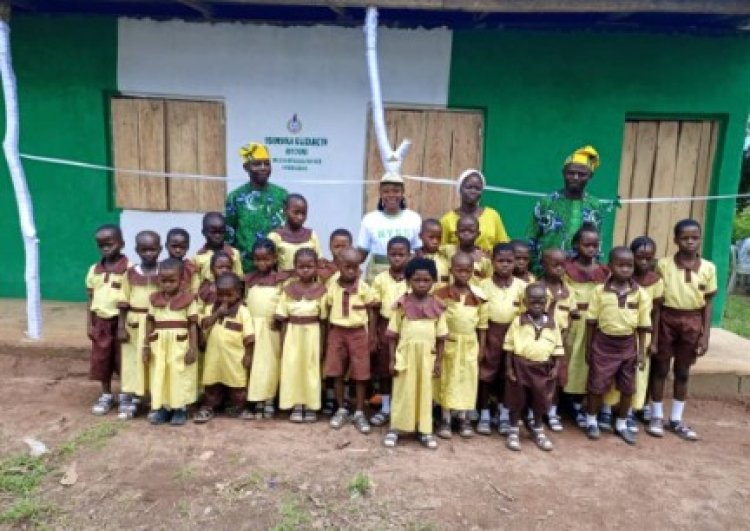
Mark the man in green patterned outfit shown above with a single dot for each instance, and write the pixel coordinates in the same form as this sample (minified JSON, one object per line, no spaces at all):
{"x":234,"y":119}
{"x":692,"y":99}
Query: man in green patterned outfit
{"x":255,"y":208}
{"x":558,"y":216}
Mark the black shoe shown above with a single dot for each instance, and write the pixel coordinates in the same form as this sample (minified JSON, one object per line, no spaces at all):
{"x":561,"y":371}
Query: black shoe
{"x":159,"y":416}
{"x":592,"y":432}
{"x":627,"y":436}
{"x":179,"y":417}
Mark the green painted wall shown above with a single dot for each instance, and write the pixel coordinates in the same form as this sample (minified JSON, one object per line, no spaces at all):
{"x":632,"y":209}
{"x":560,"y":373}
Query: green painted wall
{"x":547,"y":93}
{"x":65,"y":66}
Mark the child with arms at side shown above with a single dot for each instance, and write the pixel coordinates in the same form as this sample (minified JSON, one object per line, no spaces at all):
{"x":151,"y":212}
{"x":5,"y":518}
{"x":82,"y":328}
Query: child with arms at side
{"x":417,"y":331}
{"x":214,"y":229}
{"x":139,"y":283}
{"x":177,"y":244}
{"x":104,"y":282}
{"x":293,"y":235}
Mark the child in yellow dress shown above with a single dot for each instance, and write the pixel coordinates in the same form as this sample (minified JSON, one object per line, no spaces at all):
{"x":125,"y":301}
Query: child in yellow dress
{"x":466,"y":317}
{"x":388,"y":287}
{"x":561,"y":305}
{"x":215,"y":231}
{"x":293,"y":235}
{"x":533,"y":347}
{"x":171,"y":347}
{"x":583,"y":274}
{"x":504,"y":300}
{"x":177,"y":244}
{"x":431,"y":235}
{"x":467,"y":232}
{"x":228,"y":327}
{"x":301,"y":312}
{"x":417,"y":330}
{"x":262,"y":291}
{"x":522,"y":252}
{"x":104,"y":289}
{"x":139,"y":283}
{"x":220,"y":263}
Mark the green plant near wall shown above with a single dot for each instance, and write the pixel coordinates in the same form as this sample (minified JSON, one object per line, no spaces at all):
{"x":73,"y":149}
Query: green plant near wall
{"x":741,"y":225}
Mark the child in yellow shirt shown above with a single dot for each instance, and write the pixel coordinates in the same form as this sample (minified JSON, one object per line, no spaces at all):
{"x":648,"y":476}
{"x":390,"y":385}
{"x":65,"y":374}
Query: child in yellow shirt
{"x":522,"y":253}
{"x":171,"y":348}
{"x":467,"y":232}
{"x":139,"y":283}
{"x":387,"y":286}
{"x":214,"y":229}
{"x":417,"y":331}
{"x":104,"y":282}
{"x":293,"y":235}
{"x":431,"y":235}
{"x":684,"y":325}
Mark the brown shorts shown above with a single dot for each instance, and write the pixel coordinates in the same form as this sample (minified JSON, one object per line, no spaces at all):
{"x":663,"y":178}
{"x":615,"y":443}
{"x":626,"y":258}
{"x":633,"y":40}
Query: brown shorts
{"x":381,"y":358}
{"x":613,"y":359}
{"x":348,"y":349}
{"x":679,"y":332}
{"x":214,"y":395}
{"x":105,"y":349}
{"x":531,"y":388}
{"x":492,"y":365}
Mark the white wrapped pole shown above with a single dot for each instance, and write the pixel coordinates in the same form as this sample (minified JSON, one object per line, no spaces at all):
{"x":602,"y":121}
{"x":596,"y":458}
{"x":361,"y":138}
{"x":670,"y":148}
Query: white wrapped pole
{"x":392,"y":160}
{"x":23,"y":198}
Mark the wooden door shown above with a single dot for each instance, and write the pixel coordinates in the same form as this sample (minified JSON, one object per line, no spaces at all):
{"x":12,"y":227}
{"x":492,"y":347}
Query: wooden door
{"x":444,"y":143}
{"x":664,"y":159}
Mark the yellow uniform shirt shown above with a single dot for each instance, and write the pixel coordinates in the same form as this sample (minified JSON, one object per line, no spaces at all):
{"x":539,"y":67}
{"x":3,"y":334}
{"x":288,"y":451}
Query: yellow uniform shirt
{"x":137,"y":289}
{"x":503,"y":302}
{"x":561,"y":304}
{"x":387,"y":290}
{"x":443,"y":265}
{"x":534,"y":344}
{"x":225,"y":347}
{"x":618,"y":314}
{"x":202,"y":261}
{"x":288,"y":242}
{"x":105,"y":288}
{"x":684,"y":288}
{"x":482,"y":264}
{"x":529,"y":277}
{"x":491,"y":228}
{"x":348,"y":306}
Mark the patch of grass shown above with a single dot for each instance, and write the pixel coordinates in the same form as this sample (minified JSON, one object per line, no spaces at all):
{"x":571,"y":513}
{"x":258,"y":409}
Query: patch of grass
{"x":26,"y":510}
{"x":95,"y":436}
{"x":292,"y":515}
{"x":737,"y":315}
{"x":183,"y":508}
{"x":21,"y":474}
{"x":360,"y":484}
{"x":184,"y":474}
{"x":253,"y":481}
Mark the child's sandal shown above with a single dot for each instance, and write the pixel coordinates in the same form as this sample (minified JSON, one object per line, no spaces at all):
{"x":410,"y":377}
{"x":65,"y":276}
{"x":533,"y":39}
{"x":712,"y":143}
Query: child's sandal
{"x":444,"y":431}
{"x":682,"y":430}
{"x":297,"y":415}
{"x":310,"y":416}
{"x":340,"y":418}
{"x":360,"y":422}
{"x":269,"y":411}
{"x":379,"y":418}
{"x":465,"y":430}
{"x":541,"y":440}
{"x":103,"y":405}
{"x":247,"y":414}
{"x":555,"y":423}
{"x":513,"y":442}
{"x":203,"y":415}
{"x":483,"y":427}
{"x":428,"y":441}
{"x":390,"y":440}
{"x":655,"y":427}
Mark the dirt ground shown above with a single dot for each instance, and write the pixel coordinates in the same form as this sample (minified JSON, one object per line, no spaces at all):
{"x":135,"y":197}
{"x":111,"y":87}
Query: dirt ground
{"x":233,"y":474}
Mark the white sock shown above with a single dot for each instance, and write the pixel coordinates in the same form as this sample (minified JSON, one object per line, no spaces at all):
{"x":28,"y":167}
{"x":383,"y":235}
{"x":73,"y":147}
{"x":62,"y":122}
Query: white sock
{"x":606,"y":408}
{"x":620,"y":424}
{"x":358,"y":412}
{"x":552,"y":411}
{"x":591,"y":420}
{"x":484,"y":415}
{"x":657,"y":410}
{"x":677,"y":408}
{"x":385,"y":405}
{"x":504,"y":413}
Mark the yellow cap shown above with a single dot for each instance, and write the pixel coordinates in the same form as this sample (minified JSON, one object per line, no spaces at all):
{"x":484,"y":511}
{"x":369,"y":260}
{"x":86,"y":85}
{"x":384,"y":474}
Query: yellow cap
{"x":254,"y":151}
{"x":587,"y":155}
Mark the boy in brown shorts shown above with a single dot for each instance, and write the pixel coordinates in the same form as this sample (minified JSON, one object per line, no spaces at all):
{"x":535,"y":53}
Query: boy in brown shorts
{"x":619,"y":316}
{"x":351,"y":337}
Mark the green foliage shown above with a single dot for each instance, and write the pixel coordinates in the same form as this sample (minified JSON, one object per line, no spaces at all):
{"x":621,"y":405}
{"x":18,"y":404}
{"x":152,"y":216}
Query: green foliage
{"x":741,"y":225}
{"x":737,"y":315}
{"x":26,"y":510}
{"x":360,"y":484}
{"x":95,"y":436}
{"x":21,"y":474}
{"x":292,"y":516}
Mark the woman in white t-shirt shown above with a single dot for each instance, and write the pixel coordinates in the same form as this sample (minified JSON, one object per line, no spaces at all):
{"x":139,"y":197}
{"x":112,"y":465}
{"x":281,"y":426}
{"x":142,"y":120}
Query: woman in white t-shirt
{"x":392,"y":218}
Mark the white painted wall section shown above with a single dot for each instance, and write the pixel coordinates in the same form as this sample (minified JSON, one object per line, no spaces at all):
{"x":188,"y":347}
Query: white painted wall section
{"x":267,"y":74}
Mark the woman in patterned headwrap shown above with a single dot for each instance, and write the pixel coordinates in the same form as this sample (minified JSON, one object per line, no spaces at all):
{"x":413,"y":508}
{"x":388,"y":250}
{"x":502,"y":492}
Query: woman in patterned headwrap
{"x":558,"y":216}
{"x":256,"y":207}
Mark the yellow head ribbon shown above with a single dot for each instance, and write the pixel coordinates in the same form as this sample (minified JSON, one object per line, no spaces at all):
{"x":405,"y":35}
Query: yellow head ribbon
{"x":586,"y":155}
{"x":254,"y":151}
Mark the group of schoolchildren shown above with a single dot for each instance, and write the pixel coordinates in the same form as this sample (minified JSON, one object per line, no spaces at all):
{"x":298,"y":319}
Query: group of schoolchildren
{"x":443,"y":337}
